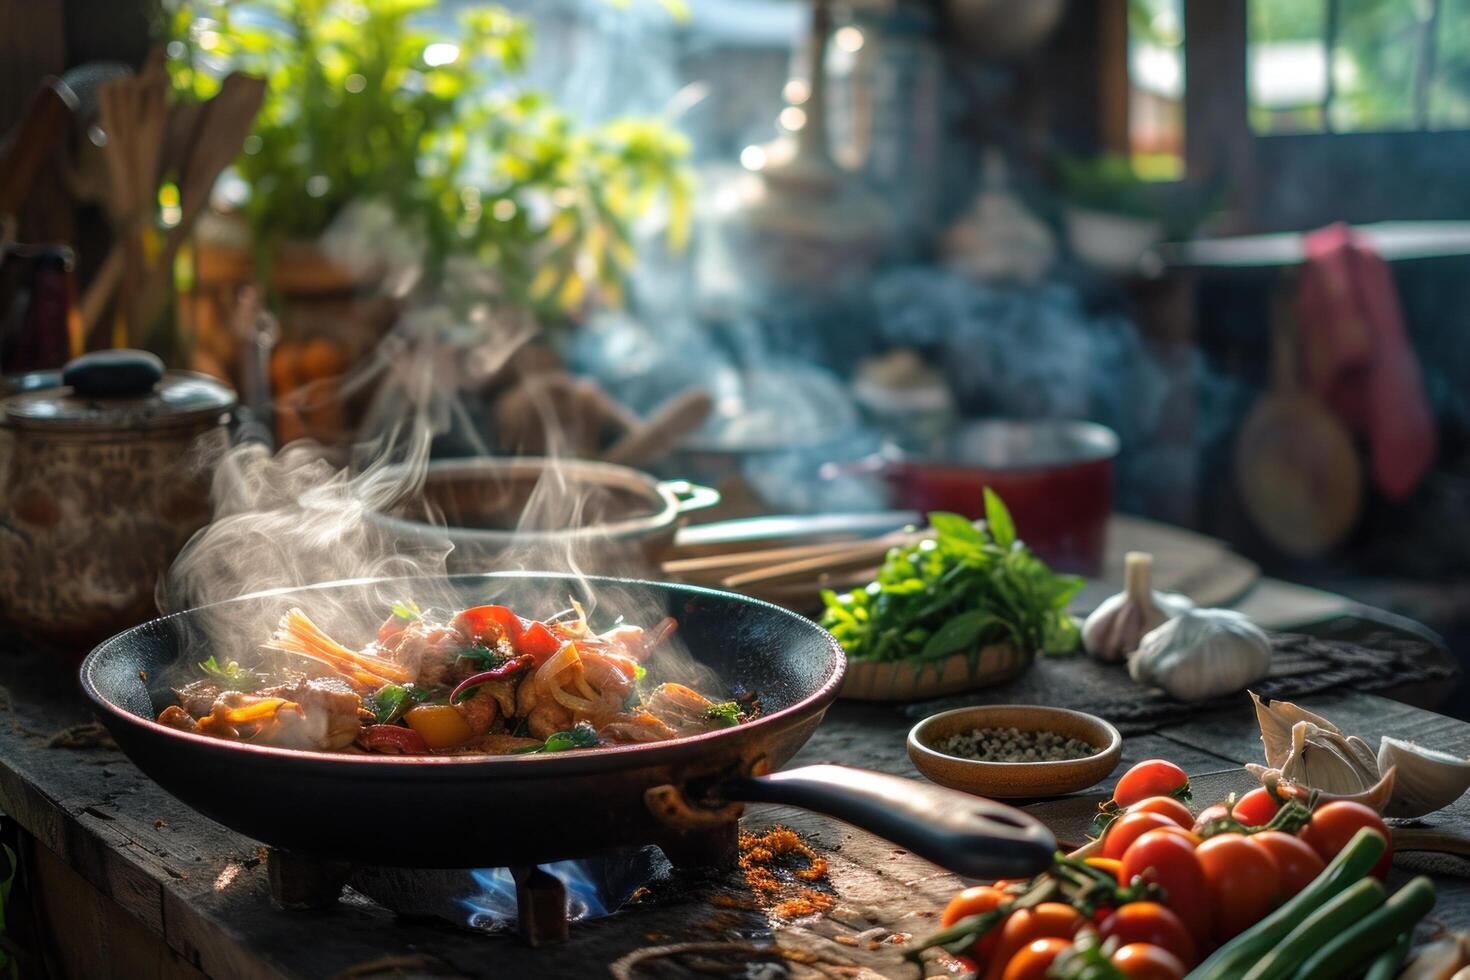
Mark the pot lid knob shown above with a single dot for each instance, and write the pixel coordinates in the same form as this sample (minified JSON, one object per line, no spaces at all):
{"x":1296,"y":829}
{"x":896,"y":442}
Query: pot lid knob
{"x":113,"y":374}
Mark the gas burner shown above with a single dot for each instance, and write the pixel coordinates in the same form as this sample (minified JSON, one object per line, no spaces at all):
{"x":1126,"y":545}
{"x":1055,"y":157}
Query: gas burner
{"x":538,"y":902}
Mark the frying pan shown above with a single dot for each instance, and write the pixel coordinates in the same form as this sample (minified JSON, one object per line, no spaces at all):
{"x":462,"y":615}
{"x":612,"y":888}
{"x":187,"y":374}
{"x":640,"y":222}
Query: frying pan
{"x":474,"y":811}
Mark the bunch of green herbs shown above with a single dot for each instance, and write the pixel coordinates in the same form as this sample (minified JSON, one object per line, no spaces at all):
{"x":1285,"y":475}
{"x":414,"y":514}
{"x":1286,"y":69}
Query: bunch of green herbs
{"x":971,"y":585}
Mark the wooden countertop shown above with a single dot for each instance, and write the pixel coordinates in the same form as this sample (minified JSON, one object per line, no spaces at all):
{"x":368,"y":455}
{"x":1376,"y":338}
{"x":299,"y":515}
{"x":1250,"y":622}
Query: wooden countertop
{"x":189,"y":897}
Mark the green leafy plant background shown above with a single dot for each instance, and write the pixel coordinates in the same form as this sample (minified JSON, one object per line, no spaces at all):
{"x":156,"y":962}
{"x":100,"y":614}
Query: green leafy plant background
{"x":470,"y":161}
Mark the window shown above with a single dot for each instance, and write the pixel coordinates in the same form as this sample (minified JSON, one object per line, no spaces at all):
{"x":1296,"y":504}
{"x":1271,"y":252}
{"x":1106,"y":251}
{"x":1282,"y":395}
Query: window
{"x":1156,"y":88}
{"x":1352,"y":66}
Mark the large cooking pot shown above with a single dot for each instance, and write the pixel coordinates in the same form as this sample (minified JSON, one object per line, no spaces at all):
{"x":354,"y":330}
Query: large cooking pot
{"x":598,"y":516}
{"x":1055,"y":475}
{"x":102,"y":481}
{"x":531,"y":809}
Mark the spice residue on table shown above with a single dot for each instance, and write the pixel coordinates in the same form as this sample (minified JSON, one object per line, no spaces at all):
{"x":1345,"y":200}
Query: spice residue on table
{"x":781,"y":870}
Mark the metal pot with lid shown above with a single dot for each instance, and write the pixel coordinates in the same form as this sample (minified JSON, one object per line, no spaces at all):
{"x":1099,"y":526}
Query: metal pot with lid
{"x":102,"y":480}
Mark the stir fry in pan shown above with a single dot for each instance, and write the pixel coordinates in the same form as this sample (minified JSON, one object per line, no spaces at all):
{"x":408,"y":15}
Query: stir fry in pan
{"x":486,"y":682}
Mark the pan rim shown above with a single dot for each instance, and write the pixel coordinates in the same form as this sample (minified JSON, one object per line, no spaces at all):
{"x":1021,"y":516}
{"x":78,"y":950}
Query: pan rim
{"x":569,"y":763}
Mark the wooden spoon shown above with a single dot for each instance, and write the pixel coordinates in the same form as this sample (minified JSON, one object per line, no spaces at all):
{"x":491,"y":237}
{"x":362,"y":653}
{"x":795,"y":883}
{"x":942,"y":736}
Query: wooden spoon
{"x":1296,"y":468}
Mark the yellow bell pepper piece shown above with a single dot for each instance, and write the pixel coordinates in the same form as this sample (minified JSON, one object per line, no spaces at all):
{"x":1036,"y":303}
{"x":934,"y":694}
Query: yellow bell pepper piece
{"x":441,"y":726}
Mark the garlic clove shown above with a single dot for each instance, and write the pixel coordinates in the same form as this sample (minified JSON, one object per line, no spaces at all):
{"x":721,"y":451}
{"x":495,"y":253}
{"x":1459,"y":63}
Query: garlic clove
{"x":1276,"y":719}
{"x":1114,"y":629}
{"x":1323,"y":760}
{"x":1428,"y":780}
{"x":1442,"y":960}
{"x":1376,"y":796}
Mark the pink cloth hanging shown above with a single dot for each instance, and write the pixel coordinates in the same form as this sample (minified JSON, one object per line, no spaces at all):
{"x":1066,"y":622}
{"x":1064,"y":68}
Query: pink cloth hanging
{"x":1357,"y":358}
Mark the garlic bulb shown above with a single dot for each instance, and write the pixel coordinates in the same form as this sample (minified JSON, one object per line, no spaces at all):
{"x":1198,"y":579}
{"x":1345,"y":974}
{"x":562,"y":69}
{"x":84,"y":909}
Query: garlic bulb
{"x":1202,"y":653}
{"x":1427,"y":780}
{"x":1114,"y":628}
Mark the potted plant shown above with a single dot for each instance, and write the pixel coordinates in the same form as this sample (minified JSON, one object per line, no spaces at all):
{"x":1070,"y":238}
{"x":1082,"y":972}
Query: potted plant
{"x":1112,"y":219}
{"x":387,"y":146}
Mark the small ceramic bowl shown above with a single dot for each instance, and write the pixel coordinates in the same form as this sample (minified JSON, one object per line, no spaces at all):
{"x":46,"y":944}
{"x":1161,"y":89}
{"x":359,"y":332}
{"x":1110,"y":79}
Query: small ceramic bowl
{"x":1015,"y":780}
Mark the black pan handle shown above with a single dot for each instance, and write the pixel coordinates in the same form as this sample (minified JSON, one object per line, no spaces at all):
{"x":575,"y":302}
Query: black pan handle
{"x":971,"y":836}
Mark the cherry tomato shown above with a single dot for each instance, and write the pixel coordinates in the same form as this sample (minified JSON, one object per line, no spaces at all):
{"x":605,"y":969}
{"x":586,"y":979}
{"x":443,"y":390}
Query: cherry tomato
{"x":1167,"y":806}
{"x":1152,"y":923}
{"x":1141,"y":961}
{"x":976,"y":901}
{"x":972,"y":901}
{"x":1334,"y":824}
{"x":1209,"y":815}
{"x":1128,"y":828}
{"x":1033,"y":962}
{"x":1189,"y":835}
{"x":1049,"y":920}
{"x":1296,"y":862}
{"x":1153,"y":777}
{"x":1244,"y":882}
{"x":1111,"y":865}
{"x":1167,"y":859}
{"x":1256,"y":807}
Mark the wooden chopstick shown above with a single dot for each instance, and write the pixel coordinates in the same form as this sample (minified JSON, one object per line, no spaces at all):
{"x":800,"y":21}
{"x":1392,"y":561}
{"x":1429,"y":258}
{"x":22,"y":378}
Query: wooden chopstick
{"x":862,"y":554}
{"x":757,"y":557}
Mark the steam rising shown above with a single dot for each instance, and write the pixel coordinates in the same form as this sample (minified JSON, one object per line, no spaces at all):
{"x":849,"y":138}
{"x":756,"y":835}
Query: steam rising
{"x":300,"y":517}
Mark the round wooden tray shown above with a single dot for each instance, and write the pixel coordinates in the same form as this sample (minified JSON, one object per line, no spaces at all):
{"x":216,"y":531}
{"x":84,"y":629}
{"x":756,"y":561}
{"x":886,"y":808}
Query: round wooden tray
{"x":900,"y":680}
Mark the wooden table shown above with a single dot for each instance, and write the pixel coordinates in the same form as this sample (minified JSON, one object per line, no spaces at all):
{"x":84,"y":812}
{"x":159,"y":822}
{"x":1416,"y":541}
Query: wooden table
{"x":138,"y":885}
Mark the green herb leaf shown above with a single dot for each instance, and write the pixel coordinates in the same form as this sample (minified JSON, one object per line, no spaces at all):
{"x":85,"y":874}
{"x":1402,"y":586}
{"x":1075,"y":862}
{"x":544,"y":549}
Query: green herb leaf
{"x":980,"y":579}
{"x":998,"y":518}
{"x":727,"y":712}
{"x":582,"y":736}
{"x":390,"y":702}
{"x":955,"y":527}
{"x":484,"y":657}
{"x":960,"y":633}
{"x":407,"y":609}
{"x":230,"y":675}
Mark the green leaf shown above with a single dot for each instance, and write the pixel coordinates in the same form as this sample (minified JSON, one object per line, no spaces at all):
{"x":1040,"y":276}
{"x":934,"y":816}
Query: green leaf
{"x":483,"y":657}
{"x":727,"y":712}
{"x":230,"y":676}
{"x":389,"y":703}
{"x":408,"y":610}
{"x":960,"y":633}
{"x":954,"y":527}
{"x":582,"y":736}
{"x":998,"y":519}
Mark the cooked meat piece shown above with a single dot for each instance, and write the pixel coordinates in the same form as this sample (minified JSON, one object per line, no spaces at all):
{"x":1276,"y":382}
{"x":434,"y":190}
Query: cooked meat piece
{"x":498,"y":743}
{"x":176,"y":717}
{"x":682,"y":708}
{"x":198,"y":698}
{"x":640,"y":726}
{"x":426,"y":651}
{"x":328,"y":717}
{"x":479,"y":710}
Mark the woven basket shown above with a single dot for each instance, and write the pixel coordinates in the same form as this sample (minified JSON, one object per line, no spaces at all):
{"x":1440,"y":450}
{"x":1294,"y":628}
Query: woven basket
{"x":900,"y":680}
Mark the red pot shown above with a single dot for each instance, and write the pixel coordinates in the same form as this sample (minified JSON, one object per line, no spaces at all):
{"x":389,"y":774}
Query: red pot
{"x":1055,"y":475}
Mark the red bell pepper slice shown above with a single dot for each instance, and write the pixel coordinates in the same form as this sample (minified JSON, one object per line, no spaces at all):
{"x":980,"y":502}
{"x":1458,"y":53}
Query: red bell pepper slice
{"x":538,"y":642}
{"x":487,"y":624}
{"x":392,"y":739}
